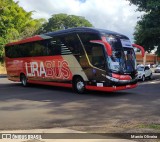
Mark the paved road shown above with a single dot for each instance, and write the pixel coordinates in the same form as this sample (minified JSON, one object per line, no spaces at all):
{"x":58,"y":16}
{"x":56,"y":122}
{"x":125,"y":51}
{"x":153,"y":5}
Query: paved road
{"x":38,"y":107}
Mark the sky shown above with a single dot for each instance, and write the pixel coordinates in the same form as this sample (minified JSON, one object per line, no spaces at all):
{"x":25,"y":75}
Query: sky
{"x":114,"y":15}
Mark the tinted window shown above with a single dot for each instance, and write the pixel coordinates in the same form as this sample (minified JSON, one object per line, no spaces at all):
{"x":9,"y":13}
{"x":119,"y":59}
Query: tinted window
{"x":32,"y":49}
{"x":94,"y":51}
{"x":64,"y":45}
{"x":96,"y":56}
{"x":60,"y":45}
{"x":8,"y":51}
{"x":146,"y":68}
{"x":54,"y":46}
{"x":114,"y":42}
{"x":86,"y":38}
{"x":72,"y":43}
{"x":37,"y":49}
{"x":13,"y":51}
{"x":25,"y":49}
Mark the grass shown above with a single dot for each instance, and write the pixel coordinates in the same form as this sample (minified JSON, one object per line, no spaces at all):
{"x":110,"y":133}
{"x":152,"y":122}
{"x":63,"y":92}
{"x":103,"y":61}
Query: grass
{"x":2,"y":69}
{"x":150,"y":126}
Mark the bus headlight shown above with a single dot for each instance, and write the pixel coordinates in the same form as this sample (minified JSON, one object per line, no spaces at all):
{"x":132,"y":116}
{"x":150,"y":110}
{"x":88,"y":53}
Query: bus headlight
{"x":112,"y":79}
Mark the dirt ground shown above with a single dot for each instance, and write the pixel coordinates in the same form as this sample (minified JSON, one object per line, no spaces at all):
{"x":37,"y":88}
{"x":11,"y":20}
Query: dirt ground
{"x":2,"y":69}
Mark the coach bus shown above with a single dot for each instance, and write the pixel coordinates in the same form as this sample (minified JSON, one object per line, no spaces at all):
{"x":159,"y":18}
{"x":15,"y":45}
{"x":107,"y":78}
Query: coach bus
{"x":78,"y":58}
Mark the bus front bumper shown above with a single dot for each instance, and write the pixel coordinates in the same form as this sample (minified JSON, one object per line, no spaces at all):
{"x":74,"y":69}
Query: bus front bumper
{"x":110,"y":89}
{"x":122,"y":82}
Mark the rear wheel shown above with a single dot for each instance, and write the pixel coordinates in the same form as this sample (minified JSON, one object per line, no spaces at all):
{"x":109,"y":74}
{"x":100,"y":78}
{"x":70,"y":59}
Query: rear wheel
{"x":150,"y":77}
{"x":23,"y":79}
{"x":79,"y":85}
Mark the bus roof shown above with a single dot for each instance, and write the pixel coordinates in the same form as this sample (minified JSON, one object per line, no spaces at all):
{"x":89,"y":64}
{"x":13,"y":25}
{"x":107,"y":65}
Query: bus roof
{"x":66,"y":31}
{"x":30,"y":39}
{"x":84,"y":29}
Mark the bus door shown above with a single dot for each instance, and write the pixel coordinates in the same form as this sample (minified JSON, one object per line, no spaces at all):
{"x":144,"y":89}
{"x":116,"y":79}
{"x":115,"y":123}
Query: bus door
{"x":98,"y":61}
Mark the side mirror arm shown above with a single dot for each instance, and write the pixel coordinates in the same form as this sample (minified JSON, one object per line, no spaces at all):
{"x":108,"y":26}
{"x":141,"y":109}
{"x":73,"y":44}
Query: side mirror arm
{"x":105,"y":44}
{"x":139,"y":47}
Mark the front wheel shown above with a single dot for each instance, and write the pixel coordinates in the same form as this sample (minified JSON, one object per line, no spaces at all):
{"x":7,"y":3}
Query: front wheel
{"x":143,"y":78}
{"x":23,"y":80}
{"x":79,"y":85}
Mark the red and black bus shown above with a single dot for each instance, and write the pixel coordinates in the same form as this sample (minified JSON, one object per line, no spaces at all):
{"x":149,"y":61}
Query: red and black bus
{"x":81,"y":58}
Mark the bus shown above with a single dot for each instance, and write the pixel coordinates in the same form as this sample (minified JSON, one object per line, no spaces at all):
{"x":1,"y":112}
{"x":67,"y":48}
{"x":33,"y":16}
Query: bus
{"x":79,"y":58}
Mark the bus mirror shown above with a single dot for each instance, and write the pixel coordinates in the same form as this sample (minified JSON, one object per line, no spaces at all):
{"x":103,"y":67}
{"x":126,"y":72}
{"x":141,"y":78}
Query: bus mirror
{"x":105,"y":44}
{"x":139,"y":47}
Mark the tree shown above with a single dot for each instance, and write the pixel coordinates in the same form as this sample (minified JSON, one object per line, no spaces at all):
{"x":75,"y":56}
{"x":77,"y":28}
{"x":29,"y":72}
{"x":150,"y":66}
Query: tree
{"x":62,"y":21}
{"x":146,"y":5}
{"x":15,"y":23}
{"x":147,"y":31}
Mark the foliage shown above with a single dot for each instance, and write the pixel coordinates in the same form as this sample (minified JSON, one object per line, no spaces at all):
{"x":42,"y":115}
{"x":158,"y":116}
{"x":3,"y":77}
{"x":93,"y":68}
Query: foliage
{"x":63,"y":21}
{"x":150,"y":126}
{"x":147,"y":31}
{"x":146,"y":5}
{"x":15,"y":23}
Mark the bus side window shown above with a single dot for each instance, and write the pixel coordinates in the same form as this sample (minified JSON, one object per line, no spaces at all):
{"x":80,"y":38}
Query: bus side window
{"x":54,"y":46}
{"x":13,"y":51}
{"x":86,"y":38}
{"x":66,"y":48}
{"x":64,"y":45}
{"x":98,"y":59}
{"x":94,"y":51}
{"x":38,"y":49}
{"x":72,"y":44}
{"x":26,"y":49}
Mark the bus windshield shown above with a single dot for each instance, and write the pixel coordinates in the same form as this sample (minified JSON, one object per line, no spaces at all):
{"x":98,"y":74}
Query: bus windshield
{"x":123,"y":58}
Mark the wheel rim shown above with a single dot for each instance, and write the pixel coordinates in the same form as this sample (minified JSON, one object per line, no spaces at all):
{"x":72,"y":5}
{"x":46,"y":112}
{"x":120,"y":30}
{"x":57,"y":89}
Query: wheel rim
{"x":143,"y":78}
{"x":80,"y":85}
{"x":24,"y":81}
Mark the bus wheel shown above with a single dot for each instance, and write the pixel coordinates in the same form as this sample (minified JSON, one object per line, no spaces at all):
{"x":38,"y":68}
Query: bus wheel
{"x":79,"y":85}
{"x":23,"y":80}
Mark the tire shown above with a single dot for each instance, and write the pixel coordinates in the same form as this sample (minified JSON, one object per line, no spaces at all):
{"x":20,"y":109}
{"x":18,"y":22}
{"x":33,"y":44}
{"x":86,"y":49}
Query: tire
{"x":23,"y":80}
{"x":150,"y":77}
{"x":79,"y":85}
{"x":143,"y":78}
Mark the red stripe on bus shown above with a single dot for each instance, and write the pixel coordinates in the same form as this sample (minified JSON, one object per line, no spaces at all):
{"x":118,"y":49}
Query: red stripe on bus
{"x":51,"y":83}
{"x":121,"y":77}
{"x":31,"y":39}
{"x":139,"y":47}
{"x":110,"y":89}
{"x":106,"y":44}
